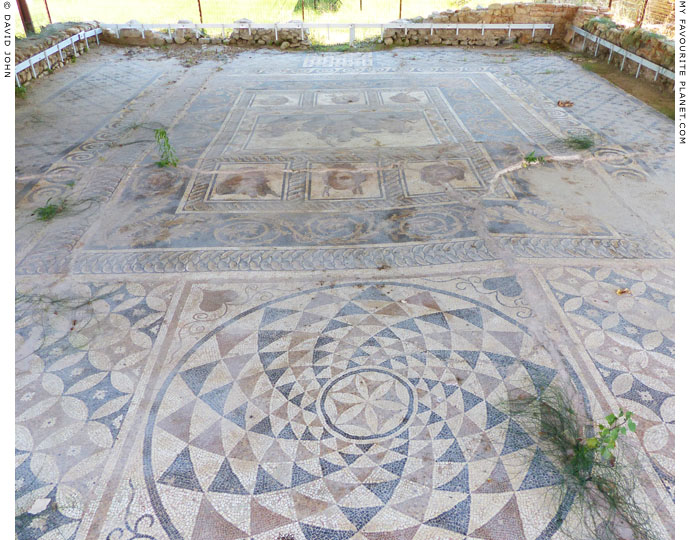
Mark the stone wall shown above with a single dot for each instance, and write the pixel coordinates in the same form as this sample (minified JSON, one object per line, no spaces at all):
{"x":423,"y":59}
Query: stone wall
{"x":653,"y":47}
{"x":561,"y":15}
{"x":49,"y":36}
{"x":130,"y":34}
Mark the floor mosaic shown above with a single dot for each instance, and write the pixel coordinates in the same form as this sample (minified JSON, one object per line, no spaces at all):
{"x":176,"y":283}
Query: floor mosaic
{"x":309,"y":329}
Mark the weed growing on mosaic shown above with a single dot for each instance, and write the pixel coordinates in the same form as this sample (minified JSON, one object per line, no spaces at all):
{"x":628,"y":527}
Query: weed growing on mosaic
{"x":49,"y":210}
{"x":168,"y":157}
{"x":531,"y":158}
{"x":579,"y":142}
{"x":20,"y":92}
{"x":601,"y":487}
{"x":66,"y":206}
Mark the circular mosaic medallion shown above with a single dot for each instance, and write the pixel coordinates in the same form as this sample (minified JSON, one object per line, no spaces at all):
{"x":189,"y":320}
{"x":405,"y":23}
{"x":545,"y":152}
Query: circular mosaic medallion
{"x":368,"y":411}
{"x":367,"y":404}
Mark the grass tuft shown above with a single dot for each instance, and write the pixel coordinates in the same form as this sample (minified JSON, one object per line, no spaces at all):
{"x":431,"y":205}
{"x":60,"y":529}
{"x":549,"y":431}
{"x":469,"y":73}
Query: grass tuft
{"x":20,"y":92}
{"x":531,"y":158}
{"x":579,"y":142}
{"x":49,"y":210}
{"x":601,"y":487}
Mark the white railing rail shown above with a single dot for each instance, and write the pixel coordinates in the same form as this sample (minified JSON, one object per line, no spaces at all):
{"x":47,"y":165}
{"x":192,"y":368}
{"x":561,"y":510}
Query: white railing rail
{"x":302,"y":26}
{"x":626,"y":54}
{"x":57,"y":48}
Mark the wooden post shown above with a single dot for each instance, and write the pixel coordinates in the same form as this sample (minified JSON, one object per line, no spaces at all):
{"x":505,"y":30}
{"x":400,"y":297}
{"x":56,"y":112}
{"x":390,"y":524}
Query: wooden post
{"x":400,"y":13}
{"x":26,"y":17}
{"x":201,"y":15}
{"x":50,"y":19}
{"x":302,"y":10}
{"x":360,"y":5}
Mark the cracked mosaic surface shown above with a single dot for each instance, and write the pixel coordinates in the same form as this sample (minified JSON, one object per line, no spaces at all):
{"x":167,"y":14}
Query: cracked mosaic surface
{"x":307,"y":329}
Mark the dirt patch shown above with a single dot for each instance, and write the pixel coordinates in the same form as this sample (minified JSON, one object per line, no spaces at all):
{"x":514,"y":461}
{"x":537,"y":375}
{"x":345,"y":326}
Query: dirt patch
{"x":644,"y":90}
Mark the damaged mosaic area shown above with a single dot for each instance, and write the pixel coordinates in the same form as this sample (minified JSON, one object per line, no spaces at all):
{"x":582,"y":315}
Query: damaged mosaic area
{"x":309,"y":328}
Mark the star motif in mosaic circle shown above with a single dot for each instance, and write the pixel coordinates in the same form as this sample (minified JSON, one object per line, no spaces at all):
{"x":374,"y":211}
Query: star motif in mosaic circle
{"x":367,"y":404}
{"x":370,"y":410}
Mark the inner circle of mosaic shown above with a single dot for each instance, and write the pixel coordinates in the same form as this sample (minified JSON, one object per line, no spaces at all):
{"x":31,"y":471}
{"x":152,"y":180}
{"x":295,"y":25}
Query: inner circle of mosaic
{"x":367,"y":404}
{"x":371,"y":409}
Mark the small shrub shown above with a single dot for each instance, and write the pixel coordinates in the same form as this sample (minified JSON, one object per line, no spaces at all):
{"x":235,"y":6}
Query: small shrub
{"x":20,"y":92}
{"x":602,"y":488}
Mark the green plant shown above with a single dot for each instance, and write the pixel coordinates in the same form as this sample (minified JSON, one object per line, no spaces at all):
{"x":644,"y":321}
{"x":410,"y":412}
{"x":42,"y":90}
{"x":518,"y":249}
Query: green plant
{"x":70,"y":183}
{"x":579,"y":142}
{"x":20,"y":92}
{"x":605,"y":441}
{"x":73,"y":59}
{"x":166,"y":151}
{"x":605,"y":21}
{"x":600,"y":489}
{"x":531,"y":158}
{"x":49,"y":210}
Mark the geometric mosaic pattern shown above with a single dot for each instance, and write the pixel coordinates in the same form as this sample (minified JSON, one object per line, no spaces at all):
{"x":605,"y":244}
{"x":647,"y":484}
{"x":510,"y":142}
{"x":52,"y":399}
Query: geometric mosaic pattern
{"x":415,"y":156}
{"x":77,"y":364}
{"x":632,"y":343}
{"x":308,"y":333}
{"x":371,"y":409}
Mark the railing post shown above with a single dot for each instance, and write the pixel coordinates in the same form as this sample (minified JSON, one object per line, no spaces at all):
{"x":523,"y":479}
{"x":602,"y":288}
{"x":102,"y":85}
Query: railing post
{"x":352,"y":35}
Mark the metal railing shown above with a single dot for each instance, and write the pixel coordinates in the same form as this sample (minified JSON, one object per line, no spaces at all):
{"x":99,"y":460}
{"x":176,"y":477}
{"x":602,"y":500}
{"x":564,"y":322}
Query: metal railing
{"x":57,"y":48}
{"x":627,"y":55}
